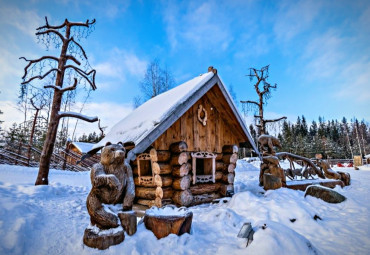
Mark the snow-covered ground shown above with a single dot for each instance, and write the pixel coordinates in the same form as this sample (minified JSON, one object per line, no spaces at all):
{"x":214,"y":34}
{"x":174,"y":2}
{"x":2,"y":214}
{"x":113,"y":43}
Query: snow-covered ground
{"x":52,"y":219}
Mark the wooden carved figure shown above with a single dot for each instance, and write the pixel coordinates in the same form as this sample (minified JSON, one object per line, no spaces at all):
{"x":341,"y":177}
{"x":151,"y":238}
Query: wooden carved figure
{"x":111,"y":184}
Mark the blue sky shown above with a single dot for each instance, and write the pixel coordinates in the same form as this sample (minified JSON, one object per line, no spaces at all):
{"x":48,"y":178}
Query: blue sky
{"x":318,"y":51}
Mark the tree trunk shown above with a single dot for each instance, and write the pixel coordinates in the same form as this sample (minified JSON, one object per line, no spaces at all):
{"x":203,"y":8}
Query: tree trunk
{"x":31,"y":137}
{"x":162,"y":181}
{"x":47,"y":150}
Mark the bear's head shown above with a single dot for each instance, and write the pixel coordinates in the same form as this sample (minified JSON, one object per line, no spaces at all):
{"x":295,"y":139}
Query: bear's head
{"x":113,"y":154}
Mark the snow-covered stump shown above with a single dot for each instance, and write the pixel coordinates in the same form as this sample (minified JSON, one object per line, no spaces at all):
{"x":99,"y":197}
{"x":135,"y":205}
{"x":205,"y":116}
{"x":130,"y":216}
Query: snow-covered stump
{"x":128,"y":222}
{"x":94,"y":237}
{"x":168,"y":220}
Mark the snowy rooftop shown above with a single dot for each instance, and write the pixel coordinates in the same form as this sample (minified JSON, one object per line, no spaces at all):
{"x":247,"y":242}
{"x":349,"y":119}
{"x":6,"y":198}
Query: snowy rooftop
{"x":83,"y":147}
{"x":143,"y":120}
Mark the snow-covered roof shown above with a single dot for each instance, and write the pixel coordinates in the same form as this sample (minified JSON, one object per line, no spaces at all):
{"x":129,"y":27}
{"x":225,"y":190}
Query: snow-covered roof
{"x":83,"y":147}
{"x":367,"y":156}
{"x":146,"y":123}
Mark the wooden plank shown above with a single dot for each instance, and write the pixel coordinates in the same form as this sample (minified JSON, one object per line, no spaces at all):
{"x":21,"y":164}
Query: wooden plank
{"x":183,"y":127}
{"x":195,"y":129}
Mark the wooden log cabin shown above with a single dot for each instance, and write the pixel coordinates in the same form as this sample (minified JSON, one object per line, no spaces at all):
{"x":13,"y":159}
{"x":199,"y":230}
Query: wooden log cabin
{"x":182,"y":145}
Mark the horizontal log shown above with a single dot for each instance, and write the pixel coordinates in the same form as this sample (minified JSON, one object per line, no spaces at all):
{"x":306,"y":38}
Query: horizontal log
{"x":180,"y":171}
{"x":182,"y":198}
{"x":204,"y":198}
{"x":149,"y":202}
{"x":230,"y":149}
{"x":148,"y":185}
{"x":178,"y":147}
{"x":163,"y":180}
{"x":165,"y":168}
{"x":227,"y":190}
{"x":179,"y":159}
{"x":221,"y":166}
{"x":230,"y":158}
{"x":228,"y":178}
{"x":146,"y":193}
{"x":181,"y":183}
{"x":218,"y":156}
{"x":160,"y":156}
{"x":199,"y":189}
{"x":219,"y":175}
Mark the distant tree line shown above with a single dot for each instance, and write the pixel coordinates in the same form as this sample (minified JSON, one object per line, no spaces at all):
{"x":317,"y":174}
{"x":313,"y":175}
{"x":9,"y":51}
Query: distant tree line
{"x":331,"y":138}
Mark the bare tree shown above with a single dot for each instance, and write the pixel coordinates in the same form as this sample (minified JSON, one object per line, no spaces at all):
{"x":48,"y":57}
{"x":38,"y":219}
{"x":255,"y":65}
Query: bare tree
{"x":38,"y":102}
{"x":263,"y":89}
{"x":62,"y":36}
{"x":155,"y":82}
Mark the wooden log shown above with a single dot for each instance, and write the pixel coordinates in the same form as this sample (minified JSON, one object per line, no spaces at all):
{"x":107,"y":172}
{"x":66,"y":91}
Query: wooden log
{"x":218,"y":156}
{"x":230,"y":149}
{"x":180,"y":171}
{"x":146,"y":193}
{"x":271,"y":182}
{"x":179,"y":159}
{"x":163,"y":180}
{"x":159,"y":156}
{"x":162,"y":226}
{"x":230,"y":158}
{"x":228,"y":178}
{"x":219,"y":175}
{"x":153,"y":155}
{"x":221,"y":166}
{"x":181,"y":183}
{"x":148,"y":202}
{"x":227,"y":190}
{"x":199,"y":189}
{"x":182,"y":198}
{"x":178,"y":147}
{"x":159,"y":192}
{"x":156,"y":168}
{"x":148,"y":185}
{"x":204,"y":198}
{"x":165,"y":168}
{"x":128,"y":222}
{"x":231,"y":168}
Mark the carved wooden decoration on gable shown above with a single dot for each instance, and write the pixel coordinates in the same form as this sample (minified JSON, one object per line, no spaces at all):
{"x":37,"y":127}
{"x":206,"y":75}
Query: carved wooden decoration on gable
{"x":209,"y":174}
{"x":203,"y":119}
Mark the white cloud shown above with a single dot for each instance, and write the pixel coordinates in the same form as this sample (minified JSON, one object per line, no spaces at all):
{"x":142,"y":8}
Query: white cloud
{"x":199,"y":25}
{"x":295,"y":17}
{"x":24,"y":20}
{"x":11,"y":114}
{"x":120,"y":64}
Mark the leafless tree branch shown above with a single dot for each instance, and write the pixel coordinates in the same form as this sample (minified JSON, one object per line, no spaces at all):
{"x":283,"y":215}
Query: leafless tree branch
{"x":52,"y":31}
{"x":77,"y":116}
{"x":40,"y":77}
{"x":62,"y":89}
{"x":84,"y":75}
{"x":275,"y":120}
{"x":33,"y":61}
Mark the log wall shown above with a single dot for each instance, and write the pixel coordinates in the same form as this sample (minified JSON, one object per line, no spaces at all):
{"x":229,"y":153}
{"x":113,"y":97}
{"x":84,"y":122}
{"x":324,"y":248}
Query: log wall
{"x":172,"y":178}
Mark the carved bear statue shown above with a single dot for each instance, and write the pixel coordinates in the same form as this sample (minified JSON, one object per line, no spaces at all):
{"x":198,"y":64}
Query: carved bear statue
{"x":112,"y":183}
{"x":267,"y":143}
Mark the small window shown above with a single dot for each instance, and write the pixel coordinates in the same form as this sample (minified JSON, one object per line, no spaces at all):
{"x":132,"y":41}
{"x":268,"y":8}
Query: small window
{"x":204,"y":167}
{"x":144,"y":164}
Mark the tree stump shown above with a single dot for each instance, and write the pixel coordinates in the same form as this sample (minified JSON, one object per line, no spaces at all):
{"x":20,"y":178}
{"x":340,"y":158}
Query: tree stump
{"x":271,"y":182}
{"x":102,"y":239}
{"x":168,"y":220}
{"x":128,"y":222}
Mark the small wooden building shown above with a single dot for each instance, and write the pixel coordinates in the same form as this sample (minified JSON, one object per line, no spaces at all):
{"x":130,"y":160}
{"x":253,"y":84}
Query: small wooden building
{"x":184,"y":143}
{"x":75,"y":150}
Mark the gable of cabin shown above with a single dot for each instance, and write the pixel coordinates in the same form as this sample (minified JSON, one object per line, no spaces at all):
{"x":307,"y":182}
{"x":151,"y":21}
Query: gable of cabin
{"x":221,"y":128}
